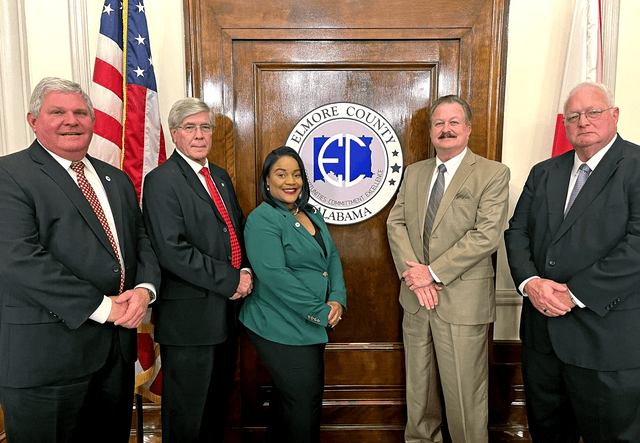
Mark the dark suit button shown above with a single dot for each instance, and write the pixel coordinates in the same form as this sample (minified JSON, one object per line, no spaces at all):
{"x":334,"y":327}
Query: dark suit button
{"x":116,"y":269}
{"x":552,"y":263}
{"x":224,"y":229}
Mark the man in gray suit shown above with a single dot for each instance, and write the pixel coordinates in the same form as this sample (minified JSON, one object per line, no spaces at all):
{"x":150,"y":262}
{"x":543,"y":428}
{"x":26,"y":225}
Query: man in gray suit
{"x":447,"y":221}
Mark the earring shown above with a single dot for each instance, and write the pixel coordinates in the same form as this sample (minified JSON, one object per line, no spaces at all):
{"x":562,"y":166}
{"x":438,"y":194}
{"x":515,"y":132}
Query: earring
{"x":268,"y":188}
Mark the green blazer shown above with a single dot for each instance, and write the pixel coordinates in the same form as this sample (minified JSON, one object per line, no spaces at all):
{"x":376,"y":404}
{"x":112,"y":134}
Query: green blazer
{"x":292,"y":275}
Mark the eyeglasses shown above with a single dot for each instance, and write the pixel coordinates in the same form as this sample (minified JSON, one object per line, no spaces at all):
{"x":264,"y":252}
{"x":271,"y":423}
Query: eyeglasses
{"x":190,"y":129}
{"x":592,"y":115}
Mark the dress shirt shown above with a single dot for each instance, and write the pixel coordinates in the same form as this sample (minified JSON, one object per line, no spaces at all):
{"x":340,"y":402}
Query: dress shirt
{"x":452,"y":166}
{"x":101,"y":314}
{"x":197,"y":167}
{"x":592,"y":163}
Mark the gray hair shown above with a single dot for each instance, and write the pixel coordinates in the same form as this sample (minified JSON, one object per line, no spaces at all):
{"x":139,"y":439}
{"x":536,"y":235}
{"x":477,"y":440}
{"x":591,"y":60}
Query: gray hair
{"x":452,"y":99}
{"x":186,"y":107}
{"x":601,"y":86}
{"x":56,"y":84}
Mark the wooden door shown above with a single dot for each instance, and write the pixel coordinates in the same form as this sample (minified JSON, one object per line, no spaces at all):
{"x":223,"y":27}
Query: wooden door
{"x":263,"y":65}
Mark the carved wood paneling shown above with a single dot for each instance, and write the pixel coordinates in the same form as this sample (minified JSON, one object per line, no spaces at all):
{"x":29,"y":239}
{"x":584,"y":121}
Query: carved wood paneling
{"x":262,"y":66}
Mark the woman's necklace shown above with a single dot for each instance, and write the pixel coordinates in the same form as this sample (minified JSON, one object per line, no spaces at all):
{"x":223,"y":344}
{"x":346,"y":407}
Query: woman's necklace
{"x":296,"y":212}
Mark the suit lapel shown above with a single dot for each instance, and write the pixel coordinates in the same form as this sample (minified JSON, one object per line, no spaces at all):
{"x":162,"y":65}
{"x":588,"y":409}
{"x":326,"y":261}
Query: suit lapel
{"x":424,"y":182}
{"x":593,"y":186}
{"x":326,"y":237}
{"x":62,"y":178}
{"x":115,"y":202}
{"x":557,"y":188}
{"x":291,"y":220}
{"x":223,"y":190}
{"x":194,"y":181}
{"x":464,"y":170}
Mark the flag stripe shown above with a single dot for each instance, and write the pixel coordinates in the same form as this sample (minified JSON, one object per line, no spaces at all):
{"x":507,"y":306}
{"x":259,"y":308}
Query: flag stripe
{"x":134,"y":134}
{"x":560,"y":142}
{"x":108,"y":77}
{"x":109,"y":51}
{"x":130,"y":138}
{"x":107,"y":127}
{"x":110,"y":104}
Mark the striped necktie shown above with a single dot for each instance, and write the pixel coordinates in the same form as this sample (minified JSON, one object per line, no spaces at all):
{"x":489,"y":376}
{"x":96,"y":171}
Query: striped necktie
{"x":236,"y":253}
{"x":434,"y":201}
{"x":583,"y":174}
{"x":91,"y":196}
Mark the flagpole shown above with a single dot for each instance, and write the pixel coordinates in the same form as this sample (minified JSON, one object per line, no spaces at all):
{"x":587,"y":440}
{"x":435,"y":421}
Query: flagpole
{"x":125,"y":32}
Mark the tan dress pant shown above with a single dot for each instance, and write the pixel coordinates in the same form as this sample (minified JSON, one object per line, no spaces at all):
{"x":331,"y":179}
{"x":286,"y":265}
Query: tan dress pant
{"x":459,"y":355}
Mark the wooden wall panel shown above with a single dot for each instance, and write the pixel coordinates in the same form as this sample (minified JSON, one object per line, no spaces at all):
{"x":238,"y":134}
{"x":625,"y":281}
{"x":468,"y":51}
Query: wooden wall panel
{"x":262,"y":66}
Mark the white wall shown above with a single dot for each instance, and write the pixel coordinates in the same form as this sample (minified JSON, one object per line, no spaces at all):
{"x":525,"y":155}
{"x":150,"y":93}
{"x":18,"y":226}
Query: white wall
{"x":538,"y":34}
{"x":538,"y":37}
{"x":628,"y":79}
{"x":49,"y":50}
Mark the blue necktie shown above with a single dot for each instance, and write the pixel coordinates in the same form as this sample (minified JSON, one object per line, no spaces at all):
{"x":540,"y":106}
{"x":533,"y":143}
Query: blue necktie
{"x":432,"y":208}
{"x":583,"y":174}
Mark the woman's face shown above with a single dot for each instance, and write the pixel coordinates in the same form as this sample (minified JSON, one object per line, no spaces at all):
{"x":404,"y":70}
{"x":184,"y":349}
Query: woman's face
{"x":285,"y":181}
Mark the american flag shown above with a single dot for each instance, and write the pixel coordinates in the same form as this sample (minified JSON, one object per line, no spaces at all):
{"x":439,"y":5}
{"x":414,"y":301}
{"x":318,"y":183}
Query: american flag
{"x":127,"y":131}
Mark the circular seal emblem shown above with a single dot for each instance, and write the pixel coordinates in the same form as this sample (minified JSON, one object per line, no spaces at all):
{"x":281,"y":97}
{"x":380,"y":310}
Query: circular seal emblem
{"x":352,"y":158}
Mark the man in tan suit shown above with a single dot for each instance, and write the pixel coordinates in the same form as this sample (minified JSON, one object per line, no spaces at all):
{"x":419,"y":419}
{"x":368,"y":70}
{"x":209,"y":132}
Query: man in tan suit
{"x":447,"y":221}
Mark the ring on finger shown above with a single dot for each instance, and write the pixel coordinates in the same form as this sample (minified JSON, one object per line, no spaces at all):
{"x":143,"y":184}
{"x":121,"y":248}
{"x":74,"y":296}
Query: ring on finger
{"x":544,"y":310}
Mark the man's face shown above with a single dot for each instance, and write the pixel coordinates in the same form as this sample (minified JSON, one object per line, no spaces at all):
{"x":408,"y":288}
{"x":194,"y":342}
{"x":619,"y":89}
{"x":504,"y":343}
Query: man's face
{"x":195,"y":145}
{"x":64,"y":125}
{"x":590,"y":134}
{"x":449,"y":131}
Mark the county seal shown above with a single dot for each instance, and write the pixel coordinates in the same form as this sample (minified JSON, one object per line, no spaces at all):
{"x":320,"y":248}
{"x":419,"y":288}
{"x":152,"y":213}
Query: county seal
{"x":353,"y":160}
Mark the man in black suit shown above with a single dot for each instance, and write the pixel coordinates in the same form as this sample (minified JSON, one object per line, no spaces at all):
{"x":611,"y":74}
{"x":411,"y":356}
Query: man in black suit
{"x":574,"y":250}
{"x":76,"y":276}
{"x":195,"y":224}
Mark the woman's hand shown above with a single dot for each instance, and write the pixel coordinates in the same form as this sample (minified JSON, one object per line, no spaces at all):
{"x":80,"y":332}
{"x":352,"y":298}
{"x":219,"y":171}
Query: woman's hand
{"x":336,"y":313}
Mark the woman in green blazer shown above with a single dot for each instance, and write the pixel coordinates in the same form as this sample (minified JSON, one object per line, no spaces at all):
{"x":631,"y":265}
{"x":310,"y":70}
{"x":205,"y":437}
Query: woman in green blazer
{"x":299,"y":292}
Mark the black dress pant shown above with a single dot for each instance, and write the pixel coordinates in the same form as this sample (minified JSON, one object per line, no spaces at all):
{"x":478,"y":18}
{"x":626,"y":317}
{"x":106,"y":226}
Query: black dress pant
{"x":566,"y":402}
{"x":95,"y":408}
{"x":295,"y":406}
{"x":197,"y":382}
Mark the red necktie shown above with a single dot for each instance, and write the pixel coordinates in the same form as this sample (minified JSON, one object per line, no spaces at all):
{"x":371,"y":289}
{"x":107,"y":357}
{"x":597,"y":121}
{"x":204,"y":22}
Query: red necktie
{"x":91,"y":196}
{"x":236,"y":254}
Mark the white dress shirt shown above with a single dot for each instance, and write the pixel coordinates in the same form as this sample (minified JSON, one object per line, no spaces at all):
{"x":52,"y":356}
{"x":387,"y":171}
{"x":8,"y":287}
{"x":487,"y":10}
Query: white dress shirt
{"x":452,"y":166}
{"x":101,"y":314}
{"x":592,"y":163}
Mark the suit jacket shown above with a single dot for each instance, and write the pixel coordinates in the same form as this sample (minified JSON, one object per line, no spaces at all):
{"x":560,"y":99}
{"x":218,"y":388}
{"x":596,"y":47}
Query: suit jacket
{"x":56,"y":265}
{"x":193,"y":246}
{"x":294,"y":277}
{"x":595,"y":250}
{"x":467,"y":229}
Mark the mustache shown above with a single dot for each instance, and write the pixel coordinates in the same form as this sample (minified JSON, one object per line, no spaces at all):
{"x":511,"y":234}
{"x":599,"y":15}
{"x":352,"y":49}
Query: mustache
{"x":447,"y":135}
